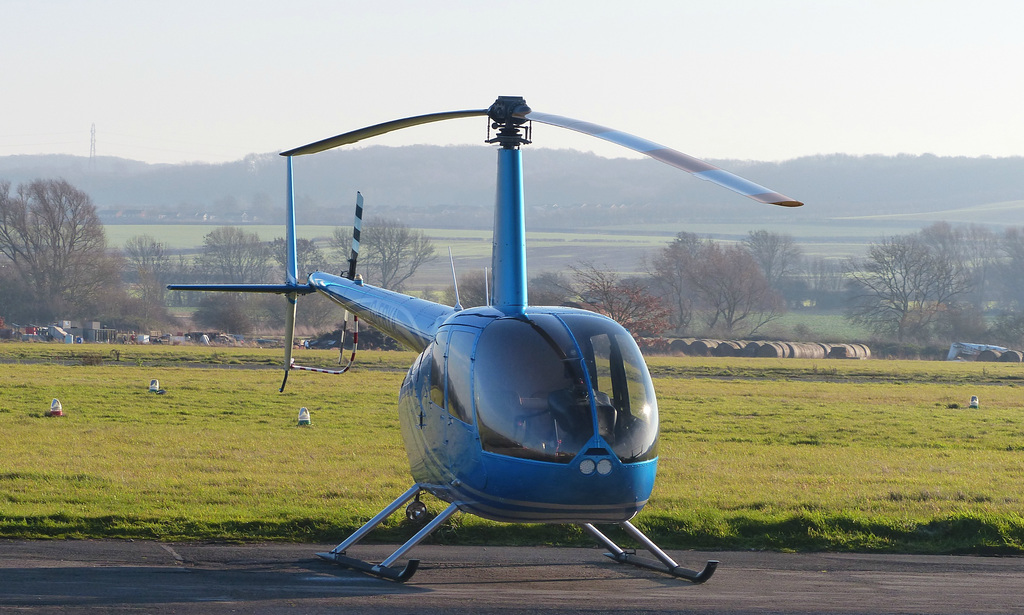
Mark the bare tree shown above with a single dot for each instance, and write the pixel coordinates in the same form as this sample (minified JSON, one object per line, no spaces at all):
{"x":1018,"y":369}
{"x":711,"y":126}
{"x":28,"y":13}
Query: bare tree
{"x":472,"y":290}
{"x":627,"y":301}
{"x":149,"y":261}
{"x":826,"y":281}
{"x":1012,"y":247}
{"x":670,"y":271}
{"x":309,"y":257}
{"x":776,"y":253}
{"x":905,"y":283}
{"x":148,"y":265}
{"x":550,"y":288}
{"x":390,"y":252}
{"x":733,"y":290}
{"x":233,"y":255}
{"x":57,"y":252}
{"x":547,"y":288}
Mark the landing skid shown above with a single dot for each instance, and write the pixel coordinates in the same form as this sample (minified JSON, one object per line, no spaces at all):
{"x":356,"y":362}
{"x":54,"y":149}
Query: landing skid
{"x":385,"y":569}
{"x":666,"y":563}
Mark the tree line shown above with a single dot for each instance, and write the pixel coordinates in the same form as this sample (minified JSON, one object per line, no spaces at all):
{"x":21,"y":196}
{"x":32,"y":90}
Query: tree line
{"x":940,"y":283}
{"x":55,"y":263}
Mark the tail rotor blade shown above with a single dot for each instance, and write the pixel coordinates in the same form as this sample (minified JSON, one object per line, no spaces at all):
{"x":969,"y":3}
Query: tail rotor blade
{"x":356,"y":231}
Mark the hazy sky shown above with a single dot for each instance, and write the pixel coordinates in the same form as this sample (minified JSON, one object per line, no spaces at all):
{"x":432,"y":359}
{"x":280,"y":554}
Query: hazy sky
{"x":215,"y":80}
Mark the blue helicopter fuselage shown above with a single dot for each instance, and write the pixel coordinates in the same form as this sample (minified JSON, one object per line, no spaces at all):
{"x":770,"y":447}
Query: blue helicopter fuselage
{"x":546,"y":416}
{"x":507,"y":417}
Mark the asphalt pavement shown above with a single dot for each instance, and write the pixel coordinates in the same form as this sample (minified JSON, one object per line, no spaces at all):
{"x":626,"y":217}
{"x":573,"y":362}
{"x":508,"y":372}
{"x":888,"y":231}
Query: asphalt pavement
{"x":113,"y":576}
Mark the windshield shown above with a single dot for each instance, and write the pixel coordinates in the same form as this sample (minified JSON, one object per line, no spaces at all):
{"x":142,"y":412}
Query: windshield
{"x":626,"y":408}
{"x":532,"y":400}
{"x":538,"y":398}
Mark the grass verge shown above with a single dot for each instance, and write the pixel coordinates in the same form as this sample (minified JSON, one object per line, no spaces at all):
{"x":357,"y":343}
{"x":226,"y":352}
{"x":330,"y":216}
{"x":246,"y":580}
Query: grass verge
{"x":755,"y":454}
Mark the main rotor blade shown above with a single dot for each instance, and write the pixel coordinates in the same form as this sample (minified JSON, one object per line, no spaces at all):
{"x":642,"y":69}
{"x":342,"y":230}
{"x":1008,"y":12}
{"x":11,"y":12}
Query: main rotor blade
{"x":379,"y":129}
{"x":695,"y":166}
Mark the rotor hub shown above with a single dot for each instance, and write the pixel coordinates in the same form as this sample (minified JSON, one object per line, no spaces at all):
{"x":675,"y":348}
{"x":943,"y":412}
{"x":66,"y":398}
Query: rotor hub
{"x":507,"y":116}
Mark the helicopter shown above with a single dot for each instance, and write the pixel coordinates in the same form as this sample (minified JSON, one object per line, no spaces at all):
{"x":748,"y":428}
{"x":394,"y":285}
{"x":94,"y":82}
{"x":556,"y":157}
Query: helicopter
{"x":511,"y":412}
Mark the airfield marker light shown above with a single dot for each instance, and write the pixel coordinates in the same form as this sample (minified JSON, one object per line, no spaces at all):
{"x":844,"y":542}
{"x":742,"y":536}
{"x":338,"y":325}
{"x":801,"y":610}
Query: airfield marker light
{"x":604,"y":467}
{"x":56,"y":409}
{"x":303,"y":416}
{"x":974,"y":402}
{"x":587,"y":466}
{"x":154,"y":385}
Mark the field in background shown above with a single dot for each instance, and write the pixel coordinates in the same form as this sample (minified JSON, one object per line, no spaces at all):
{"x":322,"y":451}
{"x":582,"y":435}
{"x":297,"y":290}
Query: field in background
{"x":755,"y":453}
{"x":620,"y":249}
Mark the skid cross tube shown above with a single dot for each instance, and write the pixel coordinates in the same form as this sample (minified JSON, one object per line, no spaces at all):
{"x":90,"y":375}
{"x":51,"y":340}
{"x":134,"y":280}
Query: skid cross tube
{"x":667,"y":563}
{"x":384,"y":569}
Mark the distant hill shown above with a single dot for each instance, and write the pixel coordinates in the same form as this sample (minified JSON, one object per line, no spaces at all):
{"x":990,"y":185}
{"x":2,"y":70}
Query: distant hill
{"x":425,"y":183}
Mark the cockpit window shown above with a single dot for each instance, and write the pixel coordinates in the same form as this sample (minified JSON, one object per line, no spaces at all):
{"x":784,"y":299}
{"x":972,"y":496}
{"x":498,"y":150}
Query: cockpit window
{"x":562,"y":379}
{"x":627,"y":410}
{"x":534,"y":403}
{"x":460,"y":348}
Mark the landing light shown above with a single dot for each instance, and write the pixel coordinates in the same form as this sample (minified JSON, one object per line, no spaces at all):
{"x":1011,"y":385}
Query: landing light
{"x":587,"y":466}
{"x":604,"y":467}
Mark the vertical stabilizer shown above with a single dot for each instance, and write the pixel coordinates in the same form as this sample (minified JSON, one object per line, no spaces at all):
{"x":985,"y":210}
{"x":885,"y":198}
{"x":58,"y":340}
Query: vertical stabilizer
{"x":291,"y":274}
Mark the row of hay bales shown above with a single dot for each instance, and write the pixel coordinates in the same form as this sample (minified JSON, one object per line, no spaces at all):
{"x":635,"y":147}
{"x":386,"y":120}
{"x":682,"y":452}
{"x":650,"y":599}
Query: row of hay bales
{"x":1009,"y":356}
{"x":779,"y":350}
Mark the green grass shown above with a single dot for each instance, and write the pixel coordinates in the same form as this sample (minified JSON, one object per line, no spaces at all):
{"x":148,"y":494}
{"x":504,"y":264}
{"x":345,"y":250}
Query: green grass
{"x":755,"y":453}
{"x":816,"y":326}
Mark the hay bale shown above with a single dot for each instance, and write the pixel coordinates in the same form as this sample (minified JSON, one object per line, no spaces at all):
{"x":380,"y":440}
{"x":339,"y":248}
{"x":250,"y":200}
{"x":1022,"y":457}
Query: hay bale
{"x":703,"y":348}
{"x":773,"y":350}
{"x":840,"y":351}
{"x":727,"y":348}
{"x":679,"y":346}
{"x":1012,"y":356}
{"x":848,"y":351}
{"x":750,"y":349}
{"x":803,"y":350}
{"x":989,"y":355}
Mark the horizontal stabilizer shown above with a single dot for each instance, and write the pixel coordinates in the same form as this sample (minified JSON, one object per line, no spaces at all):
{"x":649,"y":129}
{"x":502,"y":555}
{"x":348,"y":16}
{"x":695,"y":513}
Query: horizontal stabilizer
{"x":280,"y":289}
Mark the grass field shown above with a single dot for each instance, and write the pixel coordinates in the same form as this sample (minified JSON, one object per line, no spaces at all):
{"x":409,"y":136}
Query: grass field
{"x":548,"y":251}
{"x":755,"y":453}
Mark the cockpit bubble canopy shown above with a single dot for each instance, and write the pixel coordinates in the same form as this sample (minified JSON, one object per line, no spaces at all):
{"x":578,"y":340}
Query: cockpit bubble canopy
{"x":554,"y":381}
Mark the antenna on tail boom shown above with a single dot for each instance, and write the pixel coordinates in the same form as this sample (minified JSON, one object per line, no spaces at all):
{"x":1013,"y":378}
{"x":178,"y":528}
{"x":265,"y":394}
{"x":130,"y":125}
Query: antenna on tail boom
{"x":455,"y":281}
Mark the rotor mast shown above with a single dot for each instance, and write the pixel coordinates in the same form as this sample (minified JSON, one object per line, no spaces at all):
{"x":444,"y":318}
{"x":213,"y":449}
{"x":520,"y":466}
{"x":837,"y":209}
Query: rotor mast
{"x":508,"y":253}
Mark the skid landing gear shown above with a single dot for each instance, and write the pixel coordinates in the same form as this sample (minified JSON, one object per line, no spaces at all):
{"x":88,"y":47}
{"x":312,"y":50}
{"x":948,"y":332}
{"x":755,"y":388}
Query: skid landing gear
{"x":385,"y":569}
{"x":416,"y":511}
{"x":666,"y":565}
